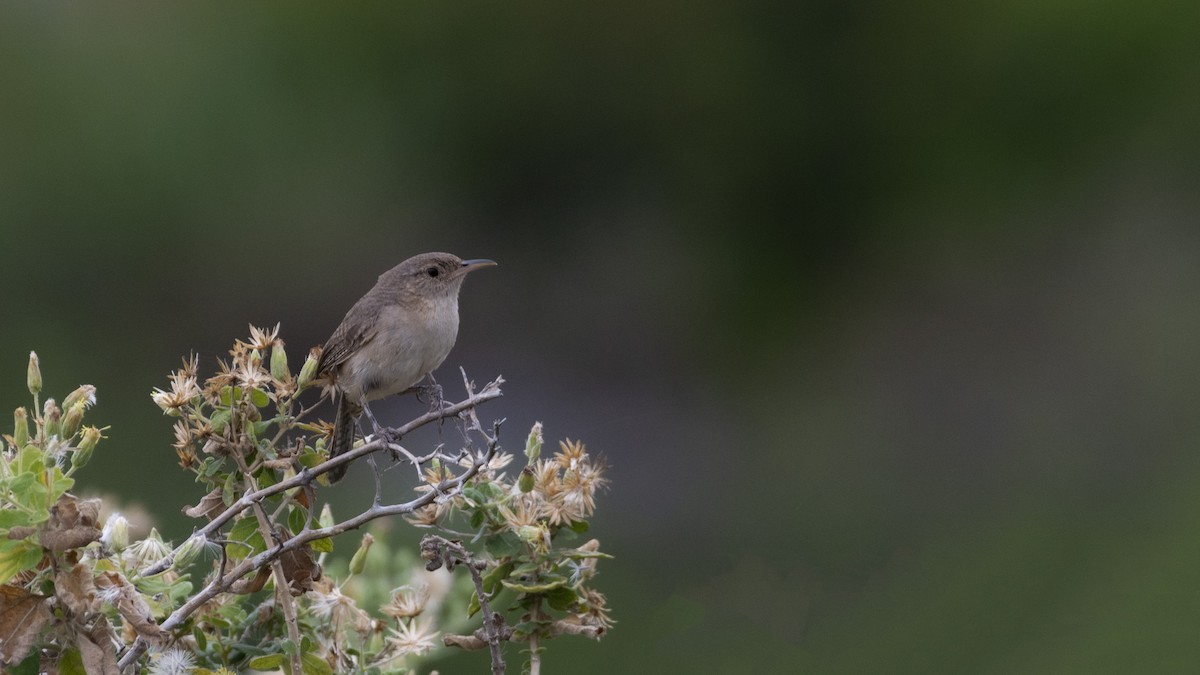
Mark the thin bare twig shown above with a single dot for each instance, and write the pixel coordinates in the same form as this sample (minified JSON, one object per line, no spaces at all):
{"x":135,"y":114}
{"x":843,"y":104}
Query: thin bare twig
{"x":438,"y":551}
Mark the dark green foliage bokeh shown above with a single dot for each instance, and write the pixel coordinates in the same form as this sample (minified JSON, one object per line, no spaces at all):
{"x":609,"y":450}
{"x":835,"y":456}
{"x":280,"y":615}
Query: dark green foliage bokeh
{"x":882,"y":313}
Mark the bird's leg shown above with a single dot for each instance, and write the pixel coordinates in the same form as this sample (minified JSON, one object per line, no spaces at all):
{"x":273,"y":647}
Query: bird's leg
{"x":380,"y":431}
{"x":430,"y":393}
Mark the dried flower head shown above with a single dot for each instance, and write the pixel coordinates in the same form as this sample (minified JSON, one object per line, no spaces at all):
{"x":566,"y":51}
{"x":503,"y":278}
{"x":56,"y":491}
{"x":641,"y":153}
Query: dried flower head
{"x":249,"y":373}
{"x":172,"y":662}
{"x":262,"y":339}
{"x":437,"y":473}
{"x":340,"y":610}
{"x":595,"y":607}
{"x":224,"y":377}
{"x":412,"y":637}
{"x":572,"y":453}
{"x":183,"y":389}
{"x":430,"y":514}
{"x":407,"y":602}
{"x":146,"y":552}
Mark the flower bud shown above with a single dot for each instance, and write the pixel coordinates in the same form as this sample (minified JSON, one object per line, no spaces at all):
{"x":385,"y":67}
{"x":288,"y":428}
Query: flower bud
{"x":279,"y":367}
{"x":529,"y":533}
{"x":73,"y":419}
{"x":308,"y":369}
{"x":91,"y":436}
{"x":20,"y":428}
{"x":86,"y":394}
{"x":359,"y":561}
{"x":115,"y":535}
{"x":33,"y":377}
{"x":525,"y":482}
{"x":52,"y":419}
{"x":189,"y":551}
{"x":533,"y":446}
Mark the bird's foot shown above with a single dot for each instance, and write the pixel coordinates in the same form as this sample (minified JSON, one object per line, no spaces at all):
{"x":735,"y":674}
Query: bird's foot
{"x":431,"y":394}
{"x":388,"y":434}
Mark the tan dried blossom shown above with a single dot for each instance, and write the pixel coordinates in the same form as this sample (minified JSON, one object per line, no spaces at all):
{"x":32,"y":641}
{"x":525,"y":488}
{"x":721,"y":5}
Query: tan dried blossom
{"x":580,"y":485}
{"x":183,"y":389}
{"x":249,"y":373}
{"x":523,"y":511}
{"x":262,"y":339}
{"x":547,"y":481}
{"x":427,"y":516}
{"x":562,"y":509}
{"x":497,"y":462}
{"x":412,"y":637}
{"x":437,"y":473}
{"x":407,"y":602}
{"x":572,"y":455}
{"x":596,"y":609}
{"x":183,"y":445}
{"x":224,"y":377}
{"x":329,"y":603}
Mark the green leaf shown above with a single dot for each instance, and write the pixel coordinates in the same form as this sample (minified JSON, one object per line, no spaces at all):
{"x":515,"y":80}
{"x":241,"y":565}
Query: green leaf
{"x":259,"y":398}
{"x":547,"y":583}
{"x":297,"y":519}
{"x":30,"y":666}
{"x":562,"y":598}
{"x":154,"y":585}
{"x":504,"y":544}
{"x":492,"y":491}
{"x":495,"y":575}
{"x":309,"y":458}
{"x":262,"y":427}
{"x":30,"y":459}
{"x":473,"y":606}
{"x":201,"y":638}
{"x":16,"y":557}
{"x":322,"y":545}
{"x":180,"y":591}
{"x":10,"y":518}
{"x":267,"y":662}
{"x":211,"y":466}
{"x":220,"y":420}
{"x":244,"y":538}
{"x":472,"y":494}
{"x":579,"y":526}
{"x":230,"y":489}
{"x":477,"y":518}
{"x":312,"y":664}
{"x":59,"y":483}
{"x":71,"y":663}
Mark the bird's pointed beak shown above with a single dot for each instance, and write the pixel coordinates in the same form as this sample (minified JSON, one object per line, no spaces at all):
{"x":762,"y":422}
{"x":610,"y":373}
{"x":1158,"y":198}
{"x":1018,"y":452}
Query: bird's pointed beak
{"x":475,"y":264}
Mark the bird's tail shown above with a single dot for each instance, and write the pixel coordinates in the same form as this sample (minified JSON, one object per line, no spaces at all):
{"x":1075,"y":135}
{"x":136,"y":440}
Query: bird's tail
{"x":344,"y":427}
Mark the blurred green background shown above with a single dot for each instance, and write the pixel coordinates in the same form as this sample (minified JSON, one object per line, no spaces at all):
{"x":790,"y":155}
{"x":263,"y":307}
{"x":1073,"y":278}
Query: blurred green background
{"x":883,"y":314}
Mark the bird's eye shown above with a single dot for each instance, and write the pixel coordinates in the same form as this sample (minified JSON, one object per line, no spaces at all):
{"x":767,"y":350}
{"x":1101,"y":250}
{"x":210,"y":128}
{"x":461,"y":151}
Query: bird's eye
{"x":432,"y":271}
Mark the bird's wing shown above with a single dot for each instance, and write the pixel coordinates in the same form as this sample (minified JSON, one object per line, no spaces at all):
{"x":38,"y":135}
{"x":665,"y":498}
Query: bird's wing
{"x":349,"y":337}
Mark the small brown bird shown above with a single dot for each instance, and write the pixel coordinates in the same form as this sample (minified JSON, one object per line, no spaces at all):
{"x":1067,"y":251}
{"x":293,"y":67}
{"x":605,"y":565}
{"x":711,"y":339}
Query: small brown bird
{"x":394,"y":336}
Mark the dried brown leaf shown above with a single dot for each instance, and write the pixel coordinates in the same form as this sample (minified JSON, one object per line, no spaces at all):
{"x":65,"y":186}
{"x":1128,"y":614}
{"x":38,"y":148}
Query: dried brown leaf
{"x":75,"y":589}
{"x":22,"y":615}
{"x":132,"y":608}
{"x":299,"y":567}
{"x":73,"y":524}
{"x":209,"y":507}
